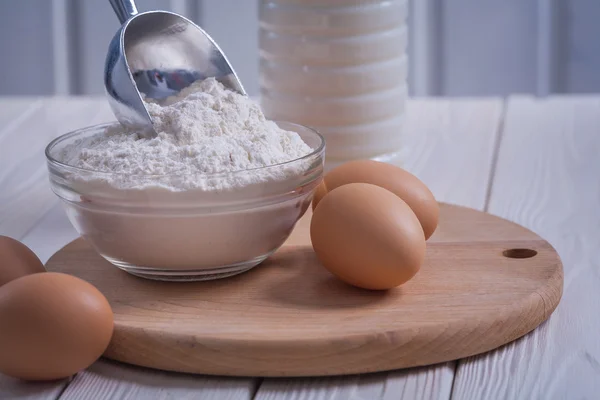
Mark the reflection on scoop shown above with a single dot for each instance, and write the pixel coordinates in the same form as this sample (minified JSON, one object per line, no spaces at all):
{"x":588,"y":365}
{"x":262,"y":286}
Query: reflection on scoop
{"x":155,"y":55}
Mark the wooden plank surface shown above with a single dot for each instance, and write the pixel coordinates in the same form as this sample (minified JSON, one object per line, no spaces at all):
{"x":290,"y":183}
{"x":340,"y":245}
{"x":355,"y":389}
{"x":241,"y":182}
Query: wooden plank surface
{"x":547,"y":179}
{"x":26,"y":194}
{"x":110,"y":380}
{"x":538,"y":156}
{"x":416,"y":383}
{"x":450,"y":146}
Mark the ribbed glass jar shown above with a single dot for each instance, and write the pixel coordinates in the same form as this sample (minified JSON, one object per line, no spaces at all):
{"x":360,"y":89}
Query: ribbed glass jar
{"x":339,"y":66}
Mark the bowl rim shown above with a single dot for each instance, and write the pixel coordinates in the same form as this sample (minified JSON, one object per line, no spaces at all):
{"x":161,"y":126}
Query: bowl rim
{"x":318,"y":151}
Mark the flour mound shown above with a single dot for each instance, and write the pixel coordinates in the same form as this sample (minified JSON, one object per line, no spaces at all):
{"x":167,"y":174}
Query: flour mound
{"x":207,"y":129}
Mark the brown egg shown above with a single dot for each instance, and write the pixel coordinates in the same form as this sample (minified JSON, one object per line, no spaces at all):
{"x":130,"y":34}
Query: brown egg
{"x":17,"y":260}
{"x":400,"y":182}
{"x":53,"y":325}
{"x":367,"y":236}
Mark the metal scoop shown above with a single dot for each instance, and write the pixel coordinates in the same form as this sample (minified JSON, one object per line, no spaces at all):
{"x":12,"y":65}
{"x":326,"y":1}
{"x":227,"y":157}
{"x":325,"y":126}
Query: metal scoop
{"x":155,"y":55}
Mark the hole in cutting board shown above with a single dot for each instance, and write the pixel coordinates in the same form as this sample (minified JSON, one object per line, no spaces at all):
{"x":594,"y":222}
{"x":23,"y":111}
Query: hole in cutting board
{"x":519,"y":253}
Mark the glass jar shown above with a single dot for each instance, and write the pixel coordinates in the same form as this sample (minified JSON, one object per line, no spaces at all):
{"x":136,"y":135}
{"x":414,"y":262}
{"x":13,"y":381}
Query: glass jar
{"x":339,"y":66}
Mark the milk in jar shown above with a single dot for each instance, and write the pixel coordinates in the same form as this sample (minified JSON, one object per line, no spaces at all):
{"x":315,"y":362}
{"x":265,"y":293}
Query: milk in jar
{"x":339,"y":66}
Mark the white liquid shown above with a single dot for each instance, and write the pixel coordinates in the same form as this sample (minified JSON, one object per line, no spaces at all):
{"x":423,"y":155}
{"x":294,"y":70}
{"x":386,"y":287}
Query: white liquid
{"x":339,"y":66}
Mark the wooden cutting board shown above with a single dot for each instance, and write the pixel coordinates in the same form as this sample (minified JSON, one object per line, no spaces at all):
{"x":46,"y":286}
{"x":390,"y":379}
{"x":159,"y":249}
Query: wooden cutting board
{"x":485,"y":282}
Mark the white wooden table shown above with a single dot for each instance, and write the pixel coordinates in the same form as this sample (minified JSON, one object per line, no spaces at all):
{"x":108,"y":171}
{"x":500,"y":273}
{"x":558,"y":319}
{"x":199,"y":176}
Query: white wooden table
{"x":535,"y":162}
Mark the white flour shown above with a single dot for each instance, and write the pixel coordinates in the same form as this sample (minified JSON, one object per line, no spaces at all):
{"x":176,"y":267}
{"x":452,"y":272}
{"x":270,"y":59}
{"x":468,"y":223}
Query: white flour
{"x":207,"y":129}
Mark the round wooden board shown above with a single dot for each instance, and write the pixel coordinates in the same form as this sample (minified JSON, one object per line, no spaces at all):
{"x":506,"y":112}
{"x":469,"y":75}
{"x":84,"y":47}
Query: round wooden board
{"x":290,"y":317}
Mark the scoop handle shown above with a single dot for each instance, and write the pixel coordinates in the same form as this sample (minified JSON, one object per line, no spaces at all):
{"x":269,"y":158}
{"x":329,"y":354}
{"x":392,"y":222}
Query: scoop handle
{"x":124,"y":9}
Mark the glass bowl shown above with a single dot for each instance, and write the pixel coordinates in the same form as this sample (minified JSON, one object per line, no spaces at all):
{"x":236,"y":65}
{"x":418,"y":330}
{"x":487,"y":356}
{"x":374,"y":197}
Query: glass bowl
{"x":199,"y":233}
